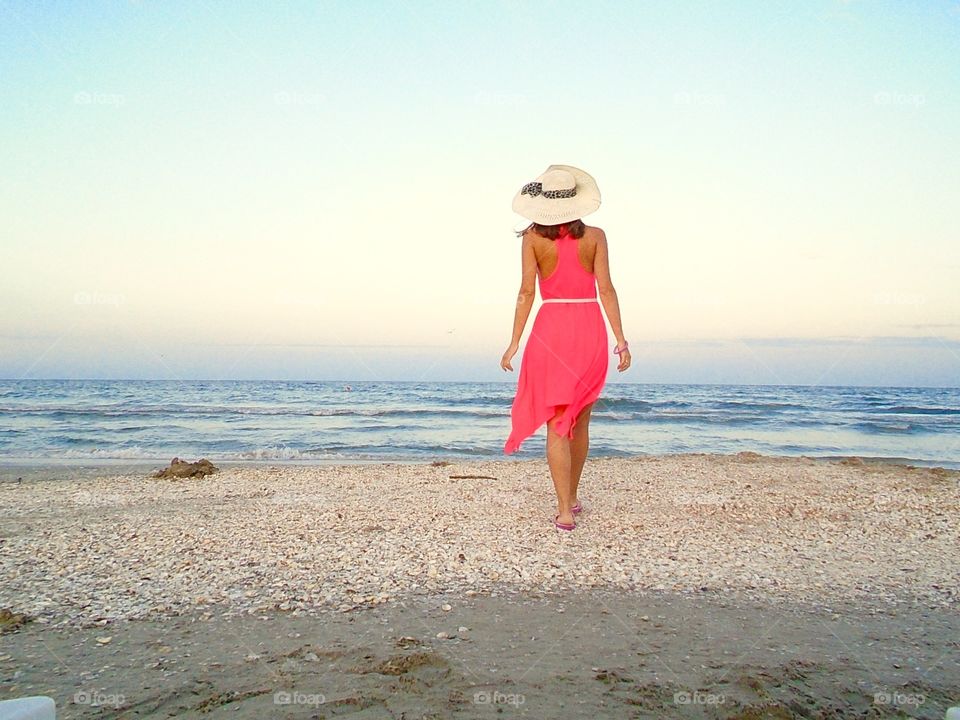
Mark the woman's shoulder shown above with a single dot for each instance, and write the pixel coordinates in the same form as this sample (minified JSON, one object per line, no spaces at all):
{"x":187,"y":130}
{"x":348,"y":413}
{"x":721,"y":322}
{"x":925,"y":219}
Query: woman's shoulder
{"x":591,"y":232}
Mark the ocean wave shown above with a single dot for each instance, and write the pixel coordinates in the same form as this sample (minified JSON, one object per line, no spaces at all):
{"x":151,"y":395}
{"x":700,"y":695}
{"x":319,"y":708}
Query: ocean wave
{"x":887,"y":427}
{"x":130,"y":453}
{"x":914,"y":410}
{"x":280,"y":453}
{"x":140,"y":453}
{"x":226,"y":410}
{"x":755,"y":405}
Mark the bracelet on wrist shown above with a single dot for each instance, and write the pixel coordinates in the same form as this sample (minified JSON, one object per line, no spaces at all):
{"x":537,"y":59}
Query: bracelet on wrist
{"x":617,"y":350}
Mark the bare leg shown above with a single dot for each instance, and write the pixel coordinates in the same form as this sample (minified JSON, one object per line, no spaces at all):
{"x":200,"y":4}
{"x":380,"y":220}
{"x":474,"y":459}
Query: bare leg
{"x":578,"y":449}
{"x":558,"y":458}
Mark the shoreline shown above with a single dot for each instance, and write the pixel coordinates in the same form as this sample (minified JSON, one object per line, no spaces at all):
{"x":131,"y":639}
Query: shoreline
{"x":31,"y":469}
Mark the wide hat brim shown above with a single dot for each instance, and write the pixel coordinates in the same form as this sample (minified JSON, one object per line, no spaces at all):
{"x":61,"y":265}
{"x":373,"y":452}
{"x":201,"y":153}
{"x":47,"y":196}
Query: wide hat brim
{"x":553,"y":211}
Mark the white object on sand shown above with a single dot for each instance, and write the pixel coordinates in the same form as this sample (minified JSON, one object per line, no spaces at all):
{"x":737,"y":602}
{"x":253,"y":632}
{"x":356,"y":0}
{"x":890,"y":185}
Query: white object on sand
{"x":953,"y":713}
{"x":37,"y":707}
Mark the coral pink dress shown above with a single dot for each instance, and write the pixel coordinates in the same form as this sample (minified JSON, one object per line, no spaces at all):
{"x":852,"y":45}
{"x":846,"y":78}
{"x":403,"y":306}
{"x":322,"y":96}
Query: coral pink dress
{"x":565,"y":359}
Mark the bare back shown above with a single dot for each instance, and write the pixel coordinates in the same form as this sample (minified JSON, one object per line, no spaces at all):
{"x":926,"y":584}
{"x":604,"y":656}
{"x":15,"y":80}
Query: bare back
{"x":546,"y":251}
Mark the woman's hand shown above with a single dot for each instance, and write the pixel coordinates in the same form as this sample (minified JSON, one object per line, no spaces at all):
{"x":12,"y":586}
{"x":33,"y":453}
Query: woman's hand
{"x":624,"y":360}
{"x":508,"y":356}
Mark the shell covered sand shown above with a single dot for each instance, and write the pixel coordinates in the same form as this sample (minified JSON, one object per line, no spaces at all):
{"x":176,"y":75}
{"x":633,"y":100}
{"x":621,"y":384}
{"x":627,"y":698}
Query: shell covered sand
{"x":311,"y":539}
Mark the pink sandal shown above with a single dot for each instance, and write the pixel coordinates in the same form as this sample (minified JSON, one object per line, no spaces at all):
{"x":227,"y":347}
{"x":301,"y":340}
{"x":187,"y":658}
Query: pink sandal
{"x":563,"y":526}
{"x":577,"y":509}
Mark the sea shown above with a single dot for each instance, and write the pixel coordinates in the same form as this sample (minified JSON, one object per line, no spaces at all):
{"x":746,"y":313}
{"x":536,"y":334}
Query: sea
{"x":85,"y":422}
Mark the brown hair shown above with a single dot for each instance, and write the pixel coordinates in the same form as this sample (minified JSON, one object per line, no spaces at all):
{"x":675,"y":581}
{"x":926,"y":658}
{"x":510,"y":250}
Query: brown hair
{"x":576,"y":227}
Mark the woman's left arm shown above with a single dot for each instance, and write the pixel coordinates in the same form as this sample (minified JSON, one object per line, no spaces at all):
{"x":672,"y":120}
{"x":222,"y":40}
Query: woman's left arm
{"x":528,"y":288}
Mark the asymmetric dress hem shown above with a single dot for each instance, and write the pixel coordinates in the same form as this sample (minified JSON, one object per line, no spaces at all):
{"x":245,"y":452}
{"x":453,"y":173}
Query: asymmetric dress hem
{"x":565,"y":359}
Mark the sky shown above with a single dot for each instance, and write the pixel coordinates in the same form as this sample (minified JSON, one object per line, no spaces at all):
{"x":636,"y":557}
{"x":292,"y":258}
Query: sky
{"x":322,"y":191}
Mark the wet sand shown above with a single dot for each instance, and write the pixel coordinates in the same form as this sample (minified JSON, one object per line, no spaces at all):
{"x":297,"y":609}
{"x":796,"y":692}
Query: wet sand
{"x":593,"y":654}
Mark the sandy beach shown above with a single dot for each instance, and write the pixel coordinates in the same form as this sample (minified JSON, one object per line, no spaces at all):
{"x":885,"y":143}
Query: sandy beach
{"x":696,"y":585}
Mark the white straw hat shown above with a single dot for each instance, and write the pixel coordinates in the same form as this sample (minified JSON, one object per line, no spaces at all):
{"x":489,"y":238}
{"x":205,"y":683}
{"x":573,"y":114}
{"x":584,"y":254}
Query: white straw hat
{"x":563,"y":193}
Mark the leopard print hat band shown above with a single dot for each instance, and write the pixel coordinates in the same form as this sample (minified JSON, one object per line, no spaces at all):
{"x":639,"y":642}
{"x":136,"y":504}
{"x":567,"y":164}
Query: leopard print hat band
{"x":561,"y":194}
{"x":535,"y":188}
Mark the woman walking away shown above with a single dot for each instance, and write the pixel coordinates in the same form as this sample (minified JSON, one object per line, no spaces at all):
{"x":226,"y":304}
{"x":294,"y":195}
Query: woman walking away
{"x":564,"y":365}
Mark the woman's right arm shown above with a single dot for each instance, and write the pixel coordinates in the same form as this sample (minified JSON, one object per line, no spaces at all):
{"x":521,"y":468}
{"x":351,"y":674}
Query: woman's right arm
{"x":608,"y":295}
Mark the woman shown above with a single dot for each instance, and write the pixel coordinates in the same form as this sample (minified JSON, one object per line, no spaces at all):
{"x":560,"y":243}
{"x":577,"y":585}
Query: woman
{"x":565,"y":363}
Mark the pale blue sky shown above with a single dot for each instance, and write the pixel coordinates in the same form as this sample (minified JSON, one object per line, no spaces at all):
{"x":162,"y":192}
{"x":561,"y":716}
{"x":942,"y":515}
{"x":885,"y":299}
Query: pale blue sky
{"x":322,"y":190}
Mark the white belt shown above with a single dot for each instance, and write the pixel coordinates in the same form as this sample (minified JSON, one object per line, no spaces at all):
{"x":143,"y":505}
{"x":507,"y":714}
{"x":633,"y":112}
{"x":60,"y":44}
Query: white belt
{"x":570,"y":300}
